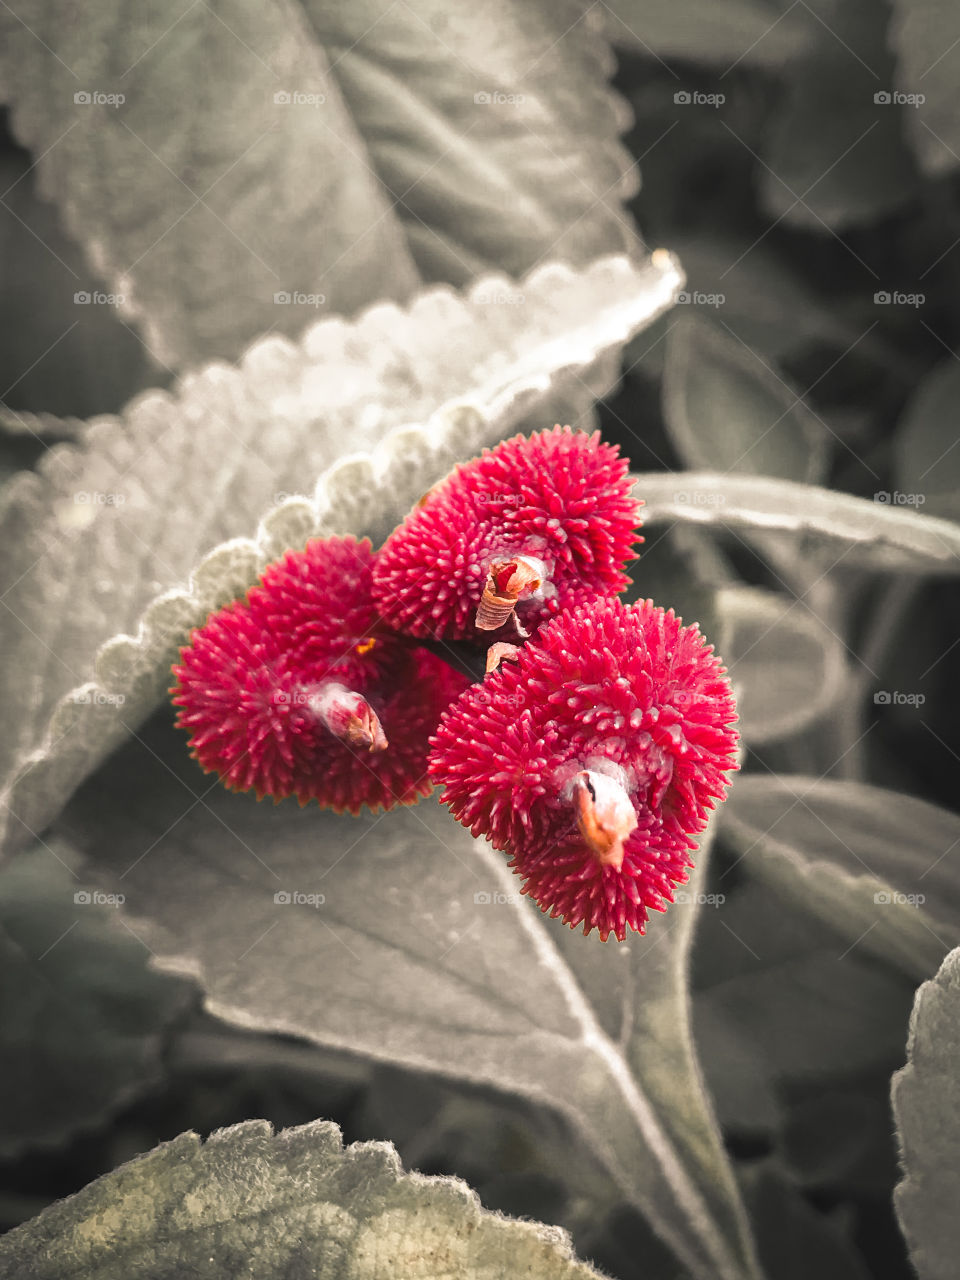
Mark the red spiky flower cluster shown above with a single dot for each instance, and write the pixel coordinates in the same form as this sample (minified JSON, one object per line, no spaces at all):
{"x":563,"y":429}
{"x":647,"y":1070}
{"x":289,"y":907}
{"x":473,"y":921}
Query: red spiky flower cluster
{"x":592,"y":758}
{"x":300,"y":690}
{"x":591,"y":754}
{"x":520,"y":533}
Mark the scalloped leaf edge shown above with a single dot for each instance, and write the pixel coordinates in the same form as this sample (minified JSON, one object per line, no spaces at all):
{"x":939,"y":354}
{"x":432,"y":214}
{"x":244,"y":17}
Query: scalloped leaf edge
{"x":321,"y":1140}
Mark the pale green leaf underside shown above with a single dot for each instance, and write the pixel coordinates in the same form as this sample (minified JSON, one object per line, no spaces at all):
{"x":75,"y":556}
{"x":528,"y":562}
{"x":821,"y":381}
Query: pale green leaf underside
{"x":878,"y":866}
{"x":423,"y":953}
{"x":118,"y":548}
{"x":815,"y":522}
{"x":926,"y":1106}
{"x":280,"y":1207}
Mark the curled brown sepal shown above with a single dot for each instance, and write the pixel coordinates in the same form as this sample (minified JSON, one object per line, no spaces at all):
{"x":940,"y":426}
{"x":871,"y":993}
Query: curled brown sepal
{"x":501,"y":652}
{"x":349,"y":717}
{"x":605,"y":815}
{"x":508,"y":581}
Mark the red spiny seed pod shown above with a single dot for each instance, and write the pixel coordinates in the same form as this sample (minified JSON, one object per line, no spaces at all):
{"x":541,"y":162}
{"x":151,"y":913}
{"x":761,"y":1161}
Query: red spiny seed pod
{"x":592,"y":757}
{"x":510,"y":539}
{"x":298,"y":691}
{"x":320,"y":600}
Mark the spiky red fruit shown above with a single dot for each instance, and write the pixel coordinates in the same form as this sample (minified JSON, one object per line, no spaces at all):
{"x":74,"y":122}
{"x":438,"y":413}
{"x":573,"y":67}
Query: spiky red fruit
{"x":544,"y":521}
{"x":593,"y":759}
{"x":300,"y":691}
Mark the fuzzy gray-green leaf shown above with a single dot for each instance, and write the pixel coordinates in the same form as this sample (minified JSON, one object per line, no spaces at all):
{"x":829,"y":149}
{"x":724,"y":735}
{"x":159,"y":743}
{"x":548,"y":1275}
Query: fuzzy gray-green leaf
{"x":279,"y":1206}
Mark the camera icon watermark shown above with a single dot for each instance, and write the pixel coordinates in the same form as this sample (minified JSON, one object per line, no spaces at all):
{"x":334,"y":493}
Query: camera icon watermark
{"x":897,"y":298}
{"x":94,"y":898}
{"x":97,"y":498}
{"x":898,"y":499}
{"x":694,"y":98}
{"x":497,"y":499}
{"x":894,"y":698}
{"x":503,"y":298}
{"x":699,"y":498}
{"x":897,"y":98}
{"x":293,"y":697}
{"x":94,"y":98}
{"x":295,"y":898}
{"x":88,"y":697}
{"x":295,"y":98}
{"x":294,"y":298}
{"x":484,"y":98}
{"x":695,"y":298}
{"x":96,"y":298}
{"x":701,"y":899}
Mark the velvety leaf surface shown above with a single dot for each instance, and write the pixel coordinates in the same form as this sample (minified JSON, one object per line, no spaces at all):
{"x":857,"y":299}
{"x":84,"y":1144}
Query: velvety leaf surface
{"x":926,"y":1103}
{"x":401,"y":938}
{"x":727,"y":409}
{"x":193,"y":195}
{"x":162,"y":504}
{"x":82,"y":1018}
{"x":280,"y":1206}
{"x":491,"y":127}
{"x":876,"y":535}
{"x":879,"y":867}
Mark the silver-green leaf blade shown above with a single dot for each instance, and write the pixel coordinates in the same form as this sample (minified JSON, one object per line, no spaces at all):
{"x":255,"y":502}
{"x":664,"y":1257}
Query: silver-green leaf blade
{"x":401,"y":939}
{"x":280,"y":1206}
{"x":204,"y":190}
{"x":492,"y":127}
{"x":926,"y":1106}
{"x":879,"y":535}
